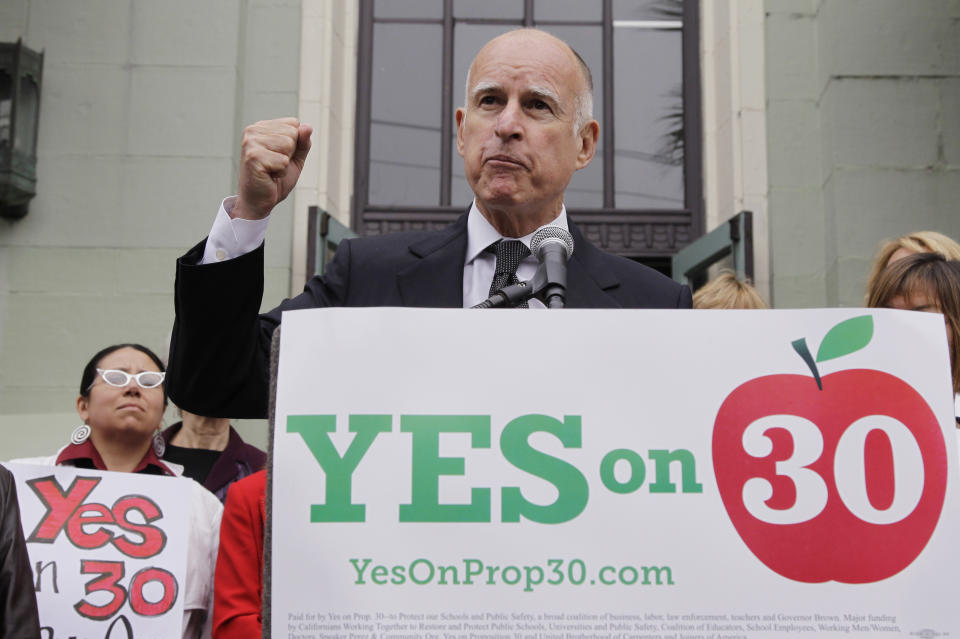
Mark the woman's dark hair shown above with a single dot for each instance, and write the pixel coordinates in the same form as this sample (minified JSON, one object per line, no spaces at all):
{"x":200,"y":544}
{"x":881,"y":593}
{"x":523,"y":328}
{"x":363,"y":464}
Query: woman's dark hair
{"x":90,"y":370}
{"x":934,"y":276}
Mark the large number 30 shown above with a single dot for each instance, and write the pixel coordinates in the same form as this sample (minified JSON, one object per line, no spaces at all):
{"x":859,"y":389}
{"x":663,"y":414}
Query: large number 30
{"x":849,"y":470}
{"x":112,"y":572}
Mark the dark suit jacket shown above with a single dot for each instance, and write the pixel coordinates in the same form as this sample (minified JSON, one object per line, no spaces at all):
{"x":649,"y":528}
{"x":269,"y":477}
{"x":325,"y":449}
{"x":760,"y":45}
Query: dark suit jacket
{"x":219,"y":353}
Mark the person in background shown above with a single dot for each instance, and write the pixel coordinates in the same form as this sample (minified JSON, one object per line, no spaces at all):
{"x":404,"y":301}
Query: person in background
{"x":238,"y":587}
{"x":925,"y":282}
{"x":726,"y":292}
{"x":121,"y":405}
{"x":211,"y":452}
{"x":916,"y":242}
{"x":18,"y":601}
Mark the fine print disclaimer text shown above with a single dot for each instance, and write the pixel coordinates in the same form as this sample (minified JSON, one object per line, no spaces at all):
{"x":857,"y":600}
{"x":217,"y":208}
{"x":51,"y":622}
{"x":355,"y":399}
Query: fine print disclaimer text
{"x":566,"y":625}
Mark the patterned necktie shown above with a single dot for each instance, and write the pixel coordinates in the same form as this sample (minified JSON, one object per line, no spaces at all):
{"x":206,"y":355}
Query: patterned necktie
{"x":509,"y":255}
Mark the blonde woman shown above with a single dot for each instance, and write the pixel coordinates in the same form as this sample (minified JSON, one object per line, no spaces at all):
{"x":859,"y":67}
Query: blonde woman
{"x":725,"y":292}
{"x":916,"y":242}
{"x":925,"y":282}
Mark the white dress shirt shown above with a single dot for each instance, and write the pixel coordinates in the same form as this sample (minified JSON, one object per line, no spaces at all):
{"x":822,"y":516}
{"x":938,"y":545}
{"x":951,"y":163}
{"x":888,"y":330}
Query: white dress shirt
{"x":479,"y":266}
{"x":230,"y":238}
{"x":233,"y":237}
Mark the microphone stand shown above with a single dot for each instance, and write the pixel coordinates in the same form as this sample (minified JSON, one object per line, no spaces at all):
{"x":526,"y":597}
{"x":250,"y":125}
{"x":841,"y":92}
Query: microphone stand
{"x":551,"y":294}
{"x":508,"y":296}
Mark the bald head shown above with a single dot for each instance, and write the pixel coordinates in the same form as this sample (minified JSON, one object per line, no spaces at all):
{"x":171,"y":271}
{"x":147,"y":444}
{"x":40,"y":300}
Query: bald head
{"x":583,"y":101}
{"x":525,"y":128}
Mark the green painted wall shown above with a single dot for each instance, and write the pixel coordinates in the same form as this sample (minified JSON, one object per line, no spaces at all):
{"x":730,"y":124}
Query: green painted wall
{"x":863,"y":134}
{"x":142,"y":108}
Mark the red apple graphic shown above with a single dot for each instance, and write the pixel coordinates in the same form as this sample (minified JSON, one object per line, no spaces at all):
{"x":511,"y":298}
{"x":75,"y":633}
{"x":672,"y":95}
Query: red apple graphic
{"x":837,"y":479}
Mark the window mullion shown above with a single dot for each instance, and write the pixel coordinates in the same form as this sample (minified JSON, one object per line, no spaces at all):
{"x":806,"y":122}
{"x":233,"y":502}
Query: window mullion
{"x":607,"y":122}
{"x":692,"y":123}
{"x":361,"y":180}
{"x":446,"y":115}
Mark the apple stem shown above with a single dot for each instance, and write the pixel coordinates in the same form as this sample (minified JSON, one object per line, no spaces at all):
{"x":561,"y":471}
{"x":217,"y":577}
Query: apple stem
{"x":800,"y":346}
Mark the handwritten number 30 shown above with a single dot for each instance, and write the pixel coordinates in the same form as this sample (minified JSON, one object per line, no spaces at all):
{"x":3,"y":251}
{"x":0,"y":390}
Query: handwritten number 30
{"x":111,"y":573}
{"x":849,"y":470}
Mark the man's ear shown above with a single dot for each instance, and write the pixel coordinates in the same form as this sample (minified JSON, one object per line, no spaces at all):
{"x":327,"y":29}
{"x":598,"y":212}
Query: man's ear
{"x":83,"y":408}
{"x":460,"y":115}
{"x":587,"y":139}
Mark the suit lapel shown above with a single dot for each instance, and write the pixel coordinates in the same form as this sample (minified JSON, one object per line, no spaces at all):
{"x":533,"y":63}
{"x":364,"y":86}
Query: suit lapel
{"x":435,"y":279}
{"x":588,"y":279}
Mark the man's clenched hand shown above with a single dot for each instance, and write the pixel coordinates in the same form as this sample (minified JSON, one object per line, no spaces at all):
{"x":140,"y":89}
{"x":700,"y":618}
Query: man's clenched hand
{"x":271,"y":158}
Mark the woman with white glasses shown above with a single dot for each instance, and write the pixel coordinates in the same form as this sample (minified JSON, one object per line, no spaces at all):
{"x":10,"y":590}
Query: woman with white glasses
{"x":121,"y":406}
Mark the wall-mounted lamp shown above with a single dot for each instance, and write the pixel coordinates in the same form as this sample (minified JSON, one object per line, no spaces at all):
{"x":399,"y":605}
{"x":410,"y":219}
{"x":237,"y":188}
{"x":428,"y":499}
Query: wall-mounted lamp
{"x":21,"y":72}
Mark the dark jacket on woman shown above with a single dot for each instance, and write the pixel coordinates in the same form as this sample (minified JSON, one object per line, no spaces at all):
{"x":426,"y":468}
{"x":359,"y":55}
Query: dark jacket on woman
{"x":238,"y":460}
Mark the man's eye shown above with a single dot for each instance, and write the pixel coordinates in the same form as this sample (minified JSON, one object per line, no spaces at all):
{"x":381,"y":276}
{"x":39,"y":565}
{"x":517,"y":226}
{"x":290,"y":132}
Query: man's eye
{"x":540,"y":105}
{"x":488,"y":100}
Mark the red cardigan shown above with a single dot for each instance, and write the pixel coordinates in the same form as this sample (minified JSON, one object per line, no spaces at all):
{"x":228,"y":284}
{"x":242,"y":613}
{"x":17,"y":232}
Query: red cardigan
{"x":238,"y":585}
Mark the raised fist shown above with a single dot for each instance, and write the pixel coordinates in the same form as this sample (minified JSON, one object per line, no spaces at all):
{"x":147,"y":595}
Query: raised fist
{"x":271,"y":158}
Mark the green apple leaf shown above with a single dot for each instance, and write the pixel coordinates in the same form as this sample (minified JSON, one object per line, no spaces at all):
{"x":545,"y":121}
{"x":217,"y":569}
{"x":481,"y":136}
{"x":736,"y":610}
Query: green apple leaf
{"x":846,"y":337}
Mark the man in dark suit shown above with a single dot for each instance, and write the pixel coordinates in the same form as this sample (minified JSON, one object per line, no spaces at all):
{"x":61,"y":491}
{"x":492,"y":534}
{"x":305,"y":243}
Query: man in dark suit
{"x":526,"y":127}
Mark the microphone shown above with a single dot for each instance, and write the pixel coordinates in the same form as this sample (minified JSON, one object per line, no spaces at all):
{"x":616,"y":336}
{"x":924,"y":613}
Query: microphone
{"x":552,"y":246}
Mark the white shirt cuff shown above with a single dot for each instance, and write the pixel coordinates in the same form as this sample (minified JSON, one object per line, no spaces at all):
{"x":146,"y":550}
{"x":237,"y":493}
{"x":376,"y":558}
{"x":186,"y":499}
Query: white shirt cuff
{"x":230,"y":238}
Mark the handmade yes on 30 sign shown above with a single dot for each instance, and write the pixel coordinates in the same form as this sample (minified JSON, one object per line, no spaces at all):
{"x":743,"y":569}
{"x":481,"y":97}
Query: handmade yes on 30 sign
{"x":454,"y":474}
{"x":108,"y":550}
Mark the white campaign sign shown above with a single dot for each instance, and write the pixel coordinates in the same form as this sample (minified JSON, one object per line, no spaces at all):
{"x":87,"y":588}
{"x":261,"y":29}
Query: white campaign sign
{"x":452,"y":474}
{"x":108,"y":550}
